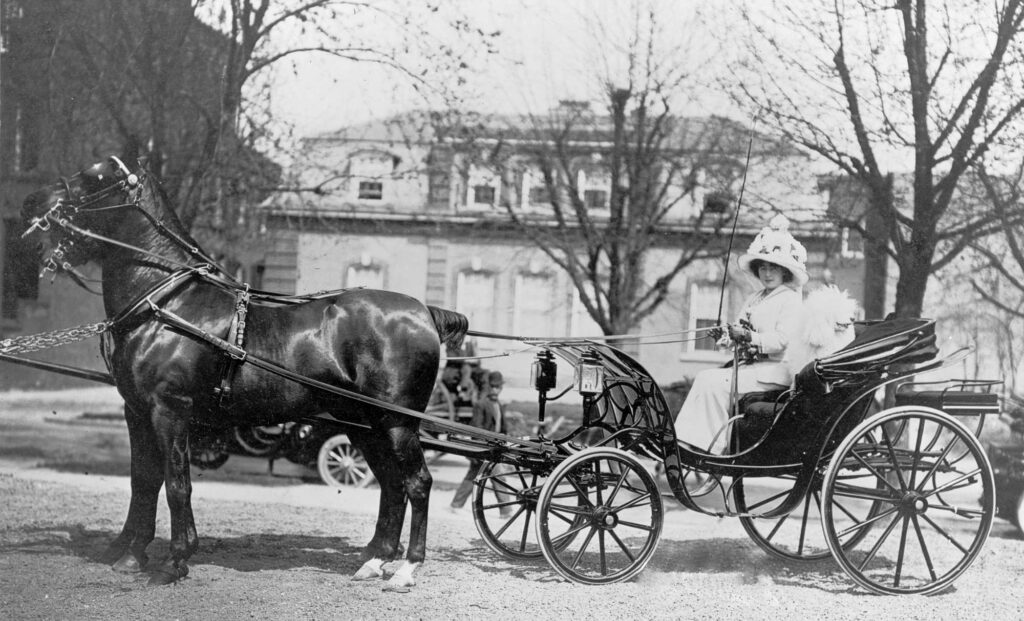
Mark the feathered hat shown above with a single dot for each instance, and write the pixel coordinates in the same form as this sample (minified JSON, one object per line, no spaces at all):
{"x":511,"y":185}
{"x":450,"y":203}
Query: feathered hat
{"x":775,"y":244}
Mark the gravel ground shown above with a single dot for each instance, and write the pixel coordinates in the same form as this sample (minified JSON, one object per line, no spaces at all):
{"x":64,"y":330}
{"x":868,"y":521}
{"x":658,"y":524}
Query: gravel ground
{"x":286,"y":551}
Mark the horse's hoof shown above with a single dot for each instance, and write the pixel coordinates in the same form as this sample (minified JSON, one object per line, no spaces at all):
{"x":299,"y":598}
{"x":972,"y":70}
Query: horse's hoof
{"x":167,"y":574}
{"x":113,"y":553}
{"x":371,"y":570}
{"x":128,"y":564}
{"x":403,"y":578}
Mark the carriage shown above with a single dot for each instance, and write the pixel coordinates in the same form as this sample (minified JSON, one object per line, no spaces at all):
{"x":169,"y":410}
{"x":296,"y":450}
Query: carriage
{"x":902,"y":498}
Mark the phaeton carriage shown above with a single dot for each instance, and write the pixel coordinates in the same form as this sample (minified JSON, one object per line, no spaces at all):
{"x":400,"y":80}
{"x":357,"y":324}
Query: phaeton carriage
{"x":904,"y":496}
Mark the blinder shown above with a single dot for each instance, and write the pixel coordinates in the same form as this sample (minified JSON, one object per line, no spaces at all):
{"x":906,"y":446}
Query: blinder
{"x":81,"y":193}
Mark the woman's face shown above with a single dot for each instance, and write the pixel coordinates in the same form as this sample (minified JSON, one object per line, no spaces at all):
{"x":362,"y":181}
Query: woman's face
{"x":770,"y":275}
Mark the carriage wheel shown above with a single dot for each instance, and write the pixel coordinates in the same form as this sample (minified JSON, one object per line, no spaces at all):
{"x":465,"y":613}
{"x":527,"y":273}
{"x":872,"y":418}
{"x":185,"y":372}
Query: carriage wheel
{"x":342,"y":465}
{"x":505,"y":508}
{"x":260,"y":441}
{"x":207,"y":452}
{"x":599,"y":517}
{"x":798,"y":535}
{"x":935,"y":506}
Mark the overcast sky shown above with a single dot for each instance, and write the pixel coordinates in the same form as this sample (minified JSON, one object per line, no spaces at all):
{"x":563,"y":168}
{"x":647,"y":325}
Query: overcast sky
{"x":544,"y":54}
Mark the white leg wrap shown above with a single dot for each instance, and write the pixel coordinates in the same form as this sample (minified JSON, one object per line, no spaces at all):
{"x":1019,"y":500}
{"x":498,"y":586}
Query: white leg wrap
{"x":371,"y":570}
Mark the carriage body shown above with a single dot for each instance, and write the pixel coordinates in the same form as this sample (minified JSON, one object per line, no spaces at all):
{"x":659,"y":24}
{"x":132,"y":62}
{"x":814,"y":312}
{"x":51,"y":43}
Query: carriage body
{"x":886,"y":493}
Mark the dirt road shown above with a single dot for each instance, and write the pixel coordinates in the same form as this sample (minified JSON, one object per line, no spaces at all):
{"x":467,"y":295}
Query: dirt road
{"x":280,"y":548}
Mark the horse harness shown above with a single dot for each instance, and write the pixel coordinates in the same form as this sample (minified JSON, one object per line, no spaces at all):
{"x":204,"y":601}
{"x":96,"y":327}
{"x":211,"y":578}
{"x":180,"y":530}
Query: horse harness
{"x":235,"y":336}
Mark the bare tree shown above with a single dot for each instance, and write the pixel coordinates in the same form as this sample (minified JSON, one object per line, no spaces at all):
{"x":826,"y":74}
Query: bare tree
{"x":654,"y":164}
{"x":876,"y":87}
{"x":188,"y":83}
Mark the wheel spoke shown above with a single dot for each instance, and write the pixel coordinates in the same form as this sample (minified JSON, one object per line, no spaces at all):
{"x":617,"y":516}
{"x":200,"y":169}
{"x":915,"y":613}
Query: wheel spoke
{"x":583,"y":548}
{"x":645,"y":499}
{"x":778,"y":525}
{"x":949,"y":484}
{"x":892,"y":458}
{"x":917,"y":456}
{"x":622,"y":546}
{"x":943,"y":532}
{"x":803,"y":525}
{"x":767,"y":501}
{"x":603,"y":553}
{"x":902,"y":551}
{"x":569,"y":534}
{"x":873,"y":471}
{"x":878,"y":544}
{"x":636,"y":525}
{"x":938,"y":462}
{"x":861,"y":524}
{"x":924,"y":547}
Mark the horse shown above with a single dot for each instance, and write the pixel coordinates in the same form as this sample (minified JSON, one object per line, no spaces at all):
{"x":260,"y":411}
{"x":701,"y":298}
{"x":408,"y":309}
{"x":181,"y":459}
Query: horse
{"x":380,"y":345}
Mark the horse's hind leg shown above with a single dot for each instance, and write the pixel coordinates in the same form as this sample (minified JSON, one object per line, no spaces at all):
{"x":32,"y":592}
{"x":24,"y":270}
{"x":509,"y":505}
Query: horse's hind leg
{"x":417,"y":482}
{"x":127,"y":552}
{"x":385,"y":545}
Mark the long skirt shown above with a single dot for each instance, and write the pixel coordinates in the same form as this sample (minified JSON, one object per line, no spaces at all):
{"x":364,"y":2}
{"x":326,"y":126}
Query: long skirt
{"x":707,"y":407}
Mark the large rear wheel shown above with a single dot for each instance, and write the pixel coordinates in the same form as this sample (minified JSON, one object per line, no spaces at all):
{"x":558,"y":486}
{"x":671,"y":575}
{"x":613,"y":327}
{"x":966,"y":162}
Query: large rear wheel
{"x":599,"y":517}
{"x":936,"y":500}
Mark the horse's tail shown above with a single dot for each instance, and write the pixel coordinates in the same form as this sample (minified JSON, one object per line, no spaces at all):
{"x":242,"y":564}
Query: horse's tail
{"x":451,"y":326}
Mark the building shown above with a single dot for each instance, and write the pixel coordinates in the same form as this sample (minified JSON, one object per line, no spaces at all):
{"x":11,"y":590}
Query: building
{"x":408,"y":204}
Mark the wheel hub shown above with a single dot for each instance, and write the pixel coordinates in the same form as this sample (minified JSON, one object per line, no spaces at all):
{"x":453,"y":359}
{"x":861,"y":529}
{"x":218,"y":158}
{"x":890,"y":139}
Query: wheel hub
{"x":605,"y":518}
{"x":913,"y":503}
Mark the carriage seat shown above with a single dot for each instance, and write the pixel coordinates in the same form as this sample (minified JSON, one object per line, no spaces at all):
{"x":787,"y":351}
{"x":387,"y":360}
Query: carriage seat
{"x":758,"y":410}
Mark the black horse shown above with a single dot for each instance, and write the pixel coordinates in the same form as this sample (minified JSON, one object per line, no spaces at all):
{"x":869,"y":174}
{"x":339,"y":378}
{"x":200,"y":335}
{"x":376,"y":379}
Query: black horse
{"x":378,"y":344}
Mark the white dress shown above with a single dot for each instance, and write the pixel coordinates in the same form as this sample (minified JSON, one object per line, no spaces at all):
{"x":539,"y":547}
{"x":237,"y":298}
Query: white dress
{"x":773,"y":315}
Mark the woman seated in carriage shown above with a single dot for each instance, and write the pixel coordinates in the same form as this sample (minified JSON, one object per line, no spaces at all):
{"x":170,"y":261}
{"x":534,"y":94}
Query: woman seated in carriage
{"x":766,"y":325}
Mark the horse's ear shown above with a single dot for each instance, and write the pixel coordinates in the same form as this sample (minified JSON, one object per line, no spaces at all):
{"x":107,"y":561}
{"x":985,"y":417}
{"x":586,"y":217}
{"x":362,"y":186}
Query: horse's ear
{"x":131,"y":151}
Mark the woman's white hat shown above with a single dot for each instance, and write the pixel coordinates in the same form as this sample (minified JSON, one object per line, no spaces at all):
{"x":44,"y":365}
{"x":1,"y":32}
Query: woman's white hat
{"x":774,"y":244}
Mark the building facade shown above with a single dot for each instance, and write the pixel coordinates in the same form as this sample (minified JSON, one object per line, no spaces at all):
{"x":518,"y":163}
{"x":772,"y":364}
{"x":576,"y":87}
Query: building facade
{"x":399,"y":204}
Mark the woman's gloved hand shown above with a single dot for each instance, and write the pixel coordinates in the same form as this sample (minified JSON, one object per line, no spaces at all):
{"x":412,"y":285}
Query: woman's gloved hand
{"x":739,"y":333}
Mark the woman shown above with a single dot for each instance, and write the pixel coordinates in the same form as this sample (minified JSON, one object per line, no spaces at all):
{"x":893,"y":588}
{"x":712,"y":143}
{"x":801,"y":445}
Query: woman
{"x":763,"y":331}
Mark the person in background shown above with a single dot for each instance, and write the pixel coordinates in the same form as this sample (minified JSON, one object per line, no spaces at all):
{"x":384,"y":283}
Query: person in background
{"x":487,"y":414}
{"x":762,"y":332}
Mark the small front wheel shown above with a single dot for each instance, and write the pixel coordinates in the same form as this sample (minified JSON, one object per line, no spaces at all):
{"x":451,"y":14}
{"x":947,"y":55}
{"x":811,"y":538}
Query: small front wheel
{"x":599,"y":517}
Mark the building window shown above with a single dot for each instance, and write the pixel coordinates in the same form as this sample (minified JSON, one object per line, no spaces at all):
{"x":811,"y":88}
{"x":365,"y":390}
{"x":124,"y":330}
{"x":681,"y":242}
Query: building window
{"x":364,"y":274}
{"x":483,"y":195}
{"x":440,"y":188}
{"x":594,"y":183}
{"x":474,"y":298}
{"x":595,"y":199}
{"x":370,"y":172}
{"x":851,"y":243}
{"x":539,"y":195}
{"x":703,"y":301}
{"x":532,"y":306}
{"x":371,"y":190}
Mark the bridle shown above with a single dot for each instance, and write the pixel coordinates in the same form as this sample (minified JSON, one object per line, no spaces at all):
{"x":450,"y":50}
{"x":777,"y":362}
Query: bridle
{"x":68,"y":206}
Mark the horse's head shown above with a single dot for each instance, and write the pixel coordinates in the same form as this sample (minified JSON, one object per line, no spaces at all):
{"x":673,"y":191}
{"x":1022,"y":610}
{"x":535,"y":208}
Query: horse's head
{"x":77,"y":209}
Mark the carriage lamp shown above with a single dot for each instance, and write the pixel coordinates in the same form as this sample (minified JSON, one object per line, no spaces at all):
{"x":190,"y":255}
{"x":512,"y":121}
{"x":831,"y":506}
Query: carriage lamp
{"x":544,"y":371}
{"x":589,"y":378}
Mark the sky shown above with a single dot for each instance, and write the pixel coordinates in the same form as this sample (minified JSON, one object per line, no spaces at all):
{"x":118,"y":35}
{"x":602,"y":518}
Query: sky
{"x":545,"y":53}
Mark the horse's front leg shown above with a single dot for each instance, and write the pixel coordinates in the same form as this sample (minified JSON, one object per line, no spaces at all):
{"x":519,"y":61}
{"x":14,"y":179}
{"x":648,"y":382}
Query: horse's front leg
{"x":171,"y":417}
{"x":127,"y":553}
{"x":417,"y":481}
